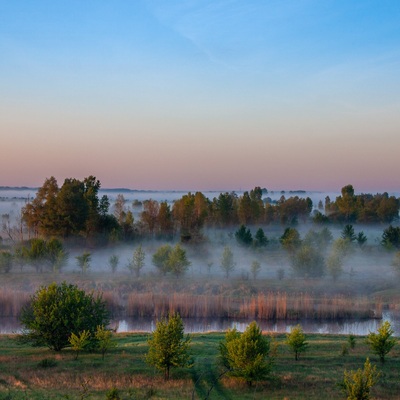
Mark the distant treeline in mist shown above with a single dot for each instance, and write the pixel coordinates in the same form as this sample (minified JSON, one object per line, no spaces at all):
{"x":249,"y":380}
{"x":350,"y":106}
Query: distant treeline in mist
{"x":75,"y":210}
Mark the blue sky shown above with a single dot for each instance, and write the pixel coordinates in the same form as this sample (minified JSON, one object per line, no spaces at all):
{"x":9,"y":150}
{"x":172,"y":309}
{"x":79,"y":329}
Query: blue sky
{"x":199,"y":95}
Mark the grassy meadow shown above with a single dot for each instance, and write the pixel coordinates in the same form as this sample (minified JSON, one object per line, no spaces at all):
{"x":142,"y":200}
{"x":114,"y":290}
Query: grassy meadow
{"x":39,"y":373}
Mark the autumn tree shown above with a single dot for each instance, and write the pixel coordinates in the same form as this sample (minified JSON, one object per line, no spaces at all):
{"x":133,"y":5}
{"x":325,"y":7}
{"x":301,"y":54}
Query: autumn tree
{"x":346,"y":204}
{"x":40,"y":215}
{"x":190,"y":213}
{"x":165,"y":221}
{"x":149,"y":216}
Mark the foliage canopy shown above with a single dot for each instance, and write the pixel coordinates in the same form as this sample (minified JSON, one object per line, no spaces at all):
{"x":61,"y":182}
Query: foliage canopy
{"x":168,"y":346}
{"x":246,"y":355}
{"x":57,"y":311}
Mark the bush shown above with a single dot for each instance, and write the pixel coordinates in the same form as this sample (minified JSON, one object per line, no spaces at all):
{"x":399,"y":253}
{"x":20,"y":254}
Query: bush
{"x":357,"y":385}
{"x":382,"y":342}
{"x":246,"y":355}
{"x":57,"y":311}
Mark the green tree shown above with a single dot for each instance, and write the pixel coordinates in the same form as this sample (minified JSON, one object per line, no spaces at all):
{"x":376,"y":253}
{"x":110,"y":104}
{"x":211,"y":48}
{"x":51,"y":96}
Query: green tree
{"x":104,"y":338}
{"x":56,"y":255}
{"x":160,"y":258}
{"x":113,"y":262}
{"x":168,"y":346}
{"x":382,"y":342}
{"x":255,"y":268}
{"x":308,"y":262}
{"x":334,"y":265}
{"x":391,"y":237}
{"x":296,"y":340}
{"x":341,"y":247}
{"x":79,"y":341}
{"x":247,"y":355}
{"x":227,"y":262}
{"x":243,"y":236}
{"x":396,"y":262}
{"x":177,"y":261}
{"x":57,"y":311}
{"x":260,"y":239}
{"x":83,"y":261}
{"x":348,"y":233}
{"x":36,"y":253}
{"x":225,"y":208}
{"x":357,"y":385}
{"x":290,"y":239}
{"x":137,"y":262}
{"x":6,"y":261}
{"x":361,"y":239}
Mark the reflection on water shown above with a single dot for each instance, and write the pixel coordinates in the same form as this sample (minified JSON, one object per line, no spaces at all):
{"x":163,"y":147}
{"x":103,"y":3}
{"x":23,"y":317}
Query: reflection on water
{"x":192,"y":325}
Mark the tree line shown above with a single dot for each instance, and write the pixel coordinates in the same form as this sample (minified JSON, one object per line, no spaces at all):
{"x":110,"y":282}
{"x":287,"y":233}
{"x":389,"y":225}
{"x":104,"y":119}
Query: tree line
{"x":75,"y":210}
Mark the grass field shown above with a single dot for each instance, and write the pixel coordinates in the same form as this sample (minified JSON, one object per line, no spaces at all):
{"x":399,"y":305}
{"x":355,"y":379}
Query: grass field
{"x":38,"y":373}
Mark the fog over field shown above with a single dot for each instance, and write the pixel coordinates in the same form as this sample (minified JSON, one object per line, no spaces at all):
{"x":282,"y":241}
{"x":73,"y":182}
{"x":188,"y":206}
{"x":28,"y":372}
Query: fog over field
{"x":365,"y":289}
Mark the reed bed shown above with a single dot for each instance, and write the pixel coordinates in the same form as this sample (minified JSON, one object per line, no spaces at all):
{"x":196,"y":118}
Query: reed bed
{"x":12,"y":302}
{"x":268,"y":306}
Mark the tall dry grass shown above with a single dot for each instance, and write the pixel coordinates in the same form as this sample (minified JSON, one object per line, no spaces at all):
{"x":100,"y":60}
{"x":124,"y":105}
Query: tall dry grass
{"x":268,"y":306}
{"x":12,"y":302}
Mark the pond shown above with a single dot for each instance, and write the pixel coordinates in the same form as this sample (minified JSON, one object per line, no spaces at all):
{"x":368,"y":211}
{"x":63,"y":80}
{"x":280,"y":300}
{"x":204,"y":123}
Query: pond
{"x":203,"y":325}
{"x":195,"y":325}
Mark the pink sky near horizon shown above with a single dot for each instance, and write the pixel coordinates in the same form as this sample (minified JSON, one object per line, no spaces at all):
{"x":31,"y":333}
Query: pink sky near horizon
{"x":201,"y":95}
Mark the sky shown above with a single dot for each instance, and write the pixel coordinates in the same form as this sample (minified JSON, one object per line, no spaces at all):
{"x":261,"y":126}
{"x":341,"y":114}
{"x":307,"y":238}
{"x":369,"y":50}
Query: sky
{"x":201,"y":94}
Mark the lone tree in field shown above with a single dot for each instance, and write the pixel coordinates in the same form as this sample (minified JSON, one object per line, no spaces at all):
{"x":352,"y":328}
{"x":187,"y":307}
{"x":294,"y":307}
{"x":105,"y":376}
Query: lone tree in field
{"x":137,"y":262}
{"x":83,"y":261}
{"x":357,"y":385}
{"x":296,"y":340}
{"x":178,"y":262}
{"x":58,"y":311}
{"x":227,"y":263}
{"x":246,"y":355}
{"x":168,"y":346}
{"x":382,"y":342}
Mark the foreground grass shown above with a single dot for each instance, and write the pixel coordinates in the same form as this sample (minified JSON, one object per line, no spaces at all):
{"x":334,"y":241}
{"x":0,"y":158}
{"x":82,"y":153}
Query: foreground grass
{"x":38,"y":373}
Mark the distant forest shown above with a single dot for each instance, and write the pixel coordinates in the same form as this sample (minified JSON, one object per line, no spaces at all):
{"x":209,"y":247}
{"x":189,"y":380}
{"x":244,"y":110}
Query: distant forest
{"x":75,"y":210}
